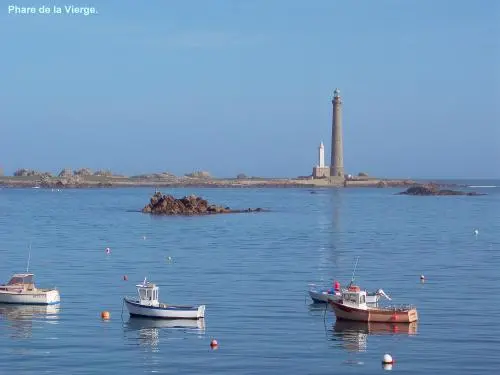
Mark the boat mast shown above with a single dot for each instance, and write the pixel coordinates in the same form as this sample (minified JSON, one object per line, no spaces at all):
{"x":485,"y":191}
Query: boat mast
{"x":354,"y":270}
{"x":29,"y":257}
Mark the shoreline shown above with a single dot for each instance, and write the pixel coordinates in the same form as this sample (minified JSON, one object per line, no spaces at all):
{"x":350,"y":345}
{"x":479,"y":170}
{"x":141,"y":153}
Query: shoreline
{"x":100,"y":182}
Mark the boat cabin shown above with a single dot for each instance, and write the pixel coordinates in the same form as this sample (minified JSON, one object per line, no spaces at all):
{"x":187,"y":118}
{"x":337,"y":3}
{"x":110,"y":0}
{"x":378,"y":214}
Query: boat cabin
{"x":148,"y":294}
{"x":354,"y":296}
{"x":22,"y":281}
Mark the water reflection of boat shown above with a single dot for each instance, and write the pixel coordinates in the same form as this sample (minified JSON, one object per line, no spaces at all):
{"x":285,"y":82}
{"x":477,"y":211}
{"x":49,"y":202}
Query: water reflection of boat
{"x":354,"y":334}
{"x":148,"y":330}
{"x":27,"y":312}
{"x":20,"y":317}
{"x":137,"y":323}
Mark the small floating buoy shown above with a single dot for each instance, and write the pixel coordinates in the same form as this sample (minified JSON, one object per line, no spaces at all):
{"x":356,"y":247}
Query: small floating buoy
{"x":169,"y":259}
{"x":476,"y":232}
{"x":387,"y":359}
{"x":108,"y":250}
{"x":214,"y":344}
{"x":422,"y":278}
{"x":125,"y":277}
{"x":105,"y":315}
{"x":143,"y":237}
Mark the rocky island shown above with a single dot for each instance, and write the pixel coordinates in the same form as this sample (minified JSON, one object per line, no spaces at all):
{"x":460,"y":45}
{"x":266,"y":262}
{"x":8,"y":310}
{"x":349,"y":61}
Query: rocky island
{"x":426,"y":190}
{"x":190,"y":205}
{"x":86,"y":178}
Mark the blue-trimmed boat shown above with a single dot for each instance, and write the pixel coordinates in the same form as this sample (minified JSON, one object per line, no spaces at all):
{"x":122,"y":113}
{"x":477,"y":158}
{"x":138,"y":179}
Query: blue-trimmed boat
{"x":147,"y":305}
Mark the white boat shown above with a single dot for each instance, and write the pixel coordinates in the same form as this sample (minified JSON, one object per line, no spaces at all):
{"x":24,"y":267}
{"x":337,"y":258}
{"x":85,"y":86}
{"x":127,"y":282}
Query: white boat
{"x":21,"y":289}
{"x":326,"y":295}
{"x":147,"y":305}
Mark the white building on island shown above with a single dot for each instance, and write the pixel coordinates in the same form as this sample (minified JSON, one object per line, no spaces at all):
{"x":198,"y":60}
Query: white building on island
{"x":320,"y":170}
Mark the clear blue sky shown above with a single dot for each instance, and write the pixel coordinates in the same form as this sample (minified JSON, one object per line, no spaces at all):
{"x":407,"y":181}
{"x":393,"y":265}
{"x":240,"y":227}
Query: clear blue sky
{"x":246,"y":86}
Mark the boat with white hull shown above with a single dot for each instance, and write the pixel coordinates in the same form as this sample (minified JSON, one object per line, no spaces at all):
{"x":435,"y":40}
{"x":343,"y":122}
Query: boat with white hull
{"x":21,"y":289}
{"x":326,"y":295}
{"x":147,"y":305}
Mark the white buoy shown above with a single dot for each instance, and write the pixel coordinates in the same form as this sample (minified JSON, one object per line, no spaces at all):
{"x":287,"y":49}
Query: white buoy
{"x":143,"y":237}
{"x":169,"y":259}
{"x":422,"y":277}
{"x":476,"y":232}
{"x":387,"y":359}
{"x":108,"y":250}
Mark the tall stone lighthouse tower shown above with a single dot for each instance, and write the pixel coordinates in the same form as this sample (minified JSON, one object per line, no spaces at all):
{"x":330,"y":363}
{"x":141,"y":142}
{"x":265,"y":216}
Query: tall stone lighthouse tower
{"x":337,"y":159}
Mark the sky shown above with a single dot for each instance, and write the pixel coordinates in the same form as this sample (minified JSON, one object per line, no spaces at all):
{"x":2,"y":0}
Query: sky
{"x":246,"y":86}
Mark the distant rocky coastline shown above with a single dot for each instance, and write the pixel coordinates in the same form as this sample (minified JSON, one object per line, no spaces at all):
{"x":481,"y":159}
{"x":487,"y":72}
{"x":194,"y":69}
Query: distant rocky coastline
{"x":189,"y":205}
{"x":86,"y":178}
{"x":427,"y":190}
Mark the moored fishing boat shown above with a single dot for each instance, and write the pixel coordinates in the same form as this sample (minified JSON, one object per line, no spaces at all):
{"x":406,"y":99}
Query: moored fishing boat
{"x":21,"y":289}
{"x":353,"y":306}
{"x":325,"y":295}
{"x":147,"y":305}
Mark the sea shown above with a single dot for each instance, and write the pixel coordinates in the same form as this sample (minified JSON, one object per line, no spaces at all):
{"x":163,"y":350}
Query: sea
{"x":253,"y":272}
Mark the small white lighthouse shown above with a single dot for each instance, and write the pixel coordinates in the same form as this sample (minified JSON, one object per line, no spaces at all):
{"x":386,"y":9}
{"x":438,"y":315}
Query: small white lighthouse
{"x":321,"y":155}
{"x":320,"y":170}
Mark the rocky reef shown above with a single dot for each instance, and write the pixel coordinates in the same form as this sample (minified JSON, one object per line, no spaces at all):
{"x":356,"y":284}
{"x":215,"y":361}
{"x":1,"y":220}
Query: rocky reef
{"x":190,"y":205}
{"x":425,"y":190}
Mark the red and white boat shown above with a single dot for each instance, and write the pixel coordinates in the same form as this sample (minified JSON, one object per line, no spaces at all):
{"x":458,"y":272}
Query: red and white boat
{"x":353,"y":306}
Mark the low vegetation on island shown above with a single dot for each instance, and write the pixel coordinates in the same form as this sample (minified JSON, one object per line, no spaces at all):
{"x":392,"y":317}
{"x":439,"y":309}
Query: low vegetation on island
{"x":430,"y":189}
{"x":190,"y":205}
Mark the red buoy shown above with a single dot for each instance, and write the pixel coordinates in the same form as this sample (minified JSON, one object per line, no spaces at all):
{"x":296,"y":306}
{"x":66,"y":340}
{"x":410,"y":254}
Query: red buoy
{"x":214,"y":344}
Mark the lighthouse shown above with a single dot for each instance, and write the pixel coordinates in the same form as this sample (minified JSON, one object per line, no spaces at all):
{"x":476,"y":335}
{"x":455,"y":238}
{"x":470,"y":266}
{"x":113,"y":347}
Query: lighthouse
{"x":320,"y":170}
{"x":321,"y":156}
{"x":336,"y":169}
{"x":337,"y":157}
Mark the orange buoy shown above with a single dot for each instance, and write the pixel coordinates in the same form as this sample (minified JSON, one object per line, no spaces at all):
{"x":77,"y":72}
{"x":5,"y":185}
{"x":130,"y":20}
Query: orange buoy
{"x":125,"y":277}
{"x":105,"y":315}
{"x":214,"y":344}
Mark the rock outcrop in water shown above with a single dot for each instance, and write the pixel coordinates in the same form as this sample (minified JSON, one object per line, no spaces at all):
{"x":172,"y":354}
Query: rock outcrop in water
{"x":425,"y":190}
{"x":190,"y":205}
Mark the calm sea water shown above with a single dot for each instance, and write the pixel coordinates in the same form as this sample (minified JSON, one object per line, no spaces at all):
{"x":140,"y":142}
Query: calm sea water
{"x":252,"y":271}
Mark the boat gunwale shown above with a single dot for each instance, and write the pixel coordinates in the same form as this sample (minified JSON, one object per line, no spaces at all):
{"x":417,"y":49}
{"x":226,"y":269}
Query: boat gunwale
{"x":135,"y":302}
{"x":384,"y":309}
